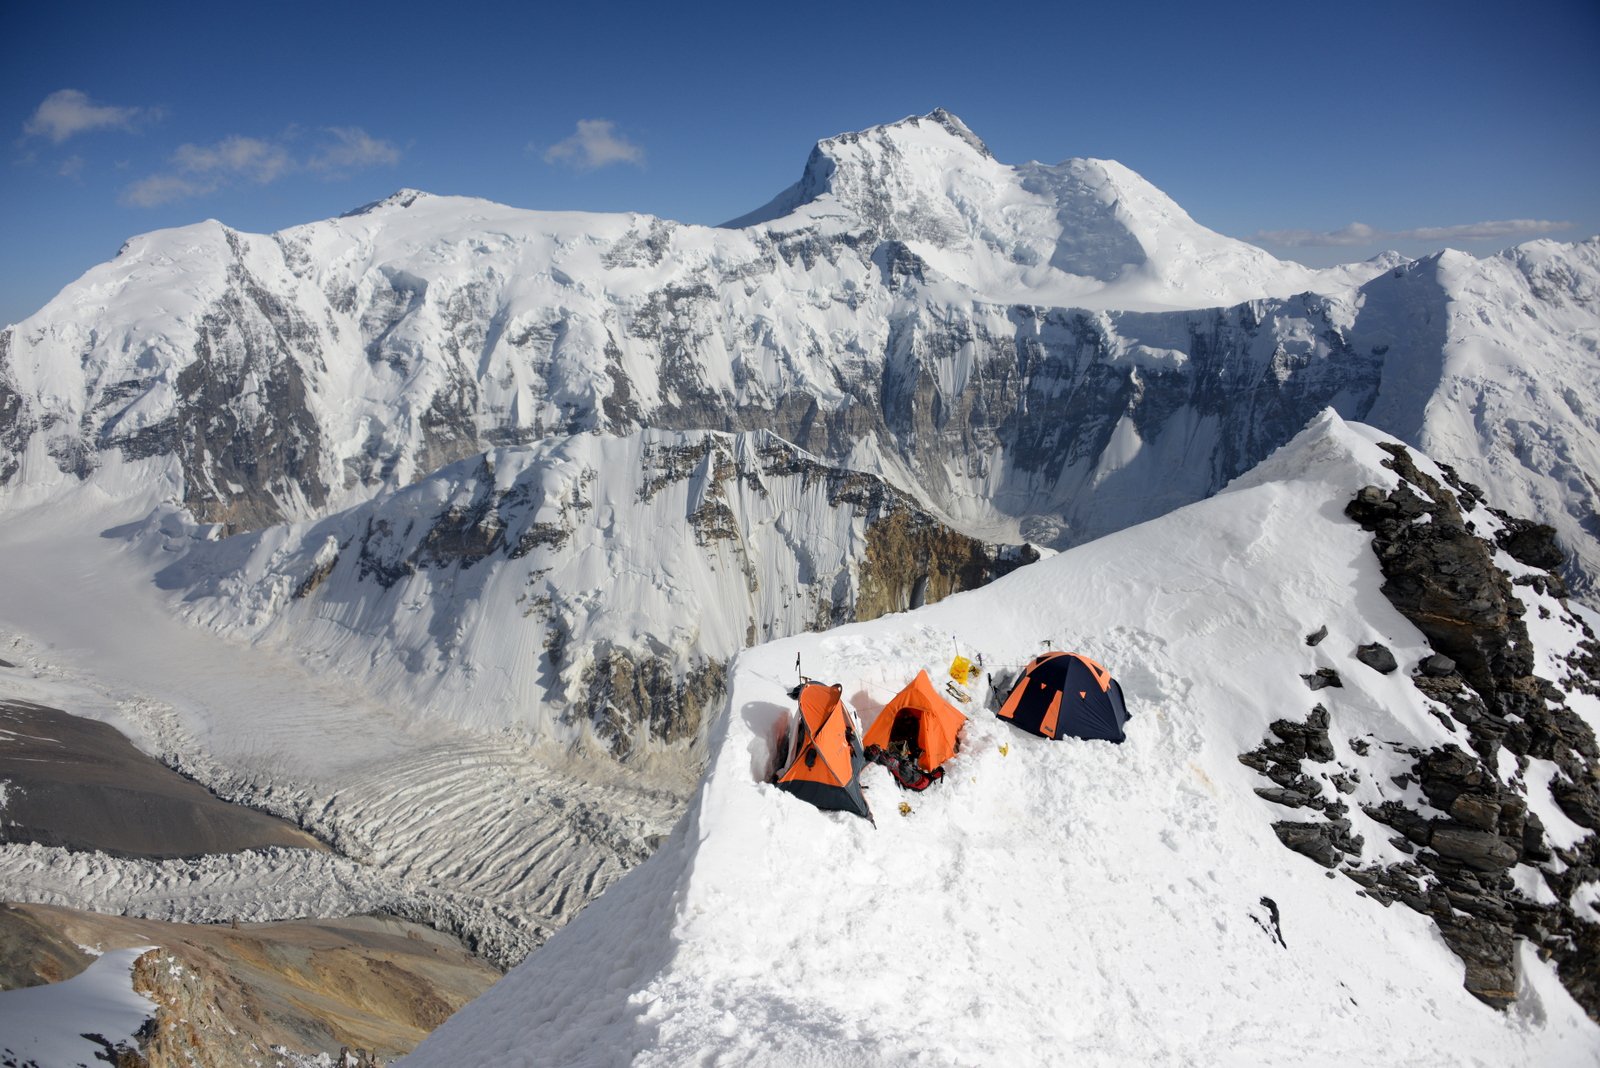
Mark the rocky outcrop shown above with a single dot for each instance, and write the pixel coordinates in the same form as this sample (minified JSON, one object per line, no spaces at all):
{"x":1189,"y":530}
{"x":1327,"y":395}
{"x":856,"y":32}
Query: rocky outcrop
{"x":1436,"y":545}
{"x":251,"y":451}
{"x":15,"y":425}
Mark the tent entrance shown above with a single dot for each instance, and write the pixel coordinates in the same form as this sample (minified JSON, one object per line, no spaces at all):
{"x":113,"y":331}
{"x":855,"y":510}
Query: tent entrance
{"x":905,"y":736}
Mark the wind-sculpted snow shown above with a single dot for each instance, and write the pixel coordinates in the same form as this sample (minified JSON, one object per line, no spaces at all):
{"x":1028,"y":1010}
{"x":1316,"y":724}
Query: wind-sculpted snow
{"x":1068,"y":902}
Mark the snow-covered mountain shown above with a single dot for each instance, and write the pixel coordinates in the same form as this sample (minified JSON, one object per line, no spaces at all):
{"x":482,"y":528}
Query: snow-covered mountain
{"x":988,"y":338}
{"x":584,"y":585}
{"x":1084,"y":903}
{"x":478,"y":499}
{"x":1086,"y":233}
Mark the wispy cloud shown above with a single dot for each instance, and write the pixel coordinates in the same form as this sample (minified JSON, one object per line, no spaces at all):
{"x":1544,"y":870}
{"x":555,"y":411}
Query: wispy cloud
{"x":248,"y":158}
{"x":594,"y":144}
{"x":352,"y":149}
{"x":1361,"y":234}
{"x":68,"y":112}
{"x":197,"y":170}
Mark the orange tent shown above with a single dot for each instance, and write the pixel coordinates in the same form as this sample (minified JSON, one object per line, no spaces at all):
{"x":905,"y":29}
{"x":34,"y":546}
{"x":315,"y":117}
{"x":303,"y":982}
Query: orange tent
{"x":919,"y":714}
{"x":824,"y":755}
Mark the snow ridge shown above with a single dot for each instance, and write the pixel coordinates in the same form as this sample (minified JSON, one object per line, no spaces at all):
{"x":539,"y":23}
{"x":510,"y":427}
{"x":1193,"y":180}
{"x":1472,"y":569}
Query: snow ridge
{"x":1141,"y":884}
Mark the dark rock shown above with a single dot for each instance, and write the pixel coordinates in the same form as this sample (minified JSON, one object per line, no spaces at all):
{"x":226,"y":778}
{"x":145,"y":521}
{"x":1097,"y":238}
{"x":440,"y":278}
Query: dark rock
{"x":1479,"y":850}
{"x":1393,"y":814}
{"x":1323,"y":678}
{"x":1534,"y":850}
{"x":1448,"y":772}
{"x":1476,"y":811}
{"x":1578,"y":801}
{"x":1312,"y":840}
{"x":1317,"y":635}
{"x":1488,"y":951}
{"x":1306,"y":740}
{"x":1513,"y":817}
{"x":1377,"y":657}
{"x":1443,"y":578}
{"x":1287,"y":798}
{"x":1530,"y":543}
{"x":1436,"y":665}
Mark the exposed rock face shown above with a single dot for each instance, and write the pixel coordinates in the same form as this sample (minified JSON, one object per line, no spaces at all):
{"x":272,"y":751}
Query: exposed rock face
{"x":1475,"y":827}
{"x":635,"y":568}
{"x":1443,"y":577}
{"x":250,"y":448}
{"x":15,"y":426}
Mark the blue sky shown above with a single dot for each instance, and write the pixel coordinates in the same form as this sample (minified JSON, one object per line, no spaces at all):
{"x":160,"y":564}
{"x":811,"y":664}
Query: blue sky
{"x":1324,"y":133}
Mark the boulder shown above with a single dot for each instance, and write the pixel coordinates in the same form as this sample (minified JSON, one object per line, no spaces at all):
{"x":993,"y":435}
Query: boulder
{"x":1323,"y":678}
{"x":1377,"y":657}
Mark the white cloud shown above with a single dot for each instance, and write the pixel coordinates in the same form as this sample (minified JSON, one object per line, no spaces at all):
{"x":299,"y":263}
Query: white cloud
{"x":164,"y":188}
{"x":595,"y":144}
{"x":352,"y":149}
{"x":249,"y":158}
{"x":201,"y":169}
{"x":1361,"y":234}
{"x":67,"y":112}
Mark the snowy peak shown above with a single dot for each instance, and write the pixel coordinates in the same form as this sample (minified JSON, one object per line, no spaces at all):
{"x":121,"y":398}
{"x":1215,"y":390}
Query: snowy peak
{"x":1082,"y":232}
{"x":863,"y":176}
{"x":400,"y":198}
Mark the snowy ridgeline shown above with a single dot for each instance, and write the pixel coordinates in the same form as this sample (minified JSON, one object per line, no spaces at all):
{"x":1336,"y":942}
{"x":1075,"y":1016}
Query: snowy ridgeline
{"x":1072,"y":902}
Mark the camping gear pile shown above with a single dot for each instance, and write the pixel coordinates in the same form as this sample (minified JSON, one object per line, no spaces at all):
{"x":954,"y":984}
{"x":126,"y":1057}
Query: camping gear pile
{"x":821,"y":751}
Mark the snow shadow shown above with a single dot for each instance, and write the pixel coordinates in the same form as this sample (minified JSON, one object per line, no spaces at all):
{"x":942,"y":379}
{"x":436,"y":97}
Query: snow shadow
{"x":866,"y":708}
{"x":768,"y":723}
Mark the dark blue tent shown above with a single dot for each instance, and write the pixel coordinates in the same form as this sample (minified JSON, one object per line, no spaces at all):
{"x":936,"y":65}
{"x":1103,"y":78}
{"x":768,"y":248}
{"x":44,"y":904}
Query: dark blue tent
{"x":1066,"y":694}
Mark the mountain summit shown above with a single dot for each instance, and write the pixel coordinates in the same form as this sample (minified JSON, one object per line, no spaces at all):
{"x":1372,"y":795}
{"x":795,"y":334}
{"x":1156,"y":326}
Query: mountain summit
{"x":1084,"y":230}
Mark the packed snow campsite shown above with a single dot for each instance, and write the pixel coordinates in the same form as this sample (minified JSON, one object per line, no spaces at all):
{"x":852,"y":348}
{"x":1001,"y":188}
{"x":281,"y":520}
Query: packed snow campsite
{"x":957,"y":613}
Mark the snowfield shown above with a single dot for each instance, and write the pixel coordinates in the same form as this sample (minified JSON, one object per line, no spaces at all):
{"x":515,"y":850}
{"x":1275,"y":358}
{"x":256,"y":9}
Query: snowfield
{"x":58,"y":1024}
{"x":1052,"y":903}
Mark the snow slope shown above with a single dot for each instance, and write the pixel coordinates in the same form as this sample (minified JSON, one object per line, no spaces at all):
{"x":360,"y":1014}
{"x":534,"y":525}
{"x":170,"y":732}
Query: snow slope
{"x":58,"y":1024}
{"x":1498,"y":372}
{"x":1054,"y":903}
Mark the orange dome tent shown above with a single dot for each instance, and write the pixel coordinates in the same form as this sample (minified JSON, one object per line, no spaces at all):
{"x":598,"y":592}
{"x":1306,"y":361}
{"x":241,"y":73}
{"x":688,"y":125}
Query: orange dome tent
{"x":824,"y":762}
{"x":918,"y":719}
